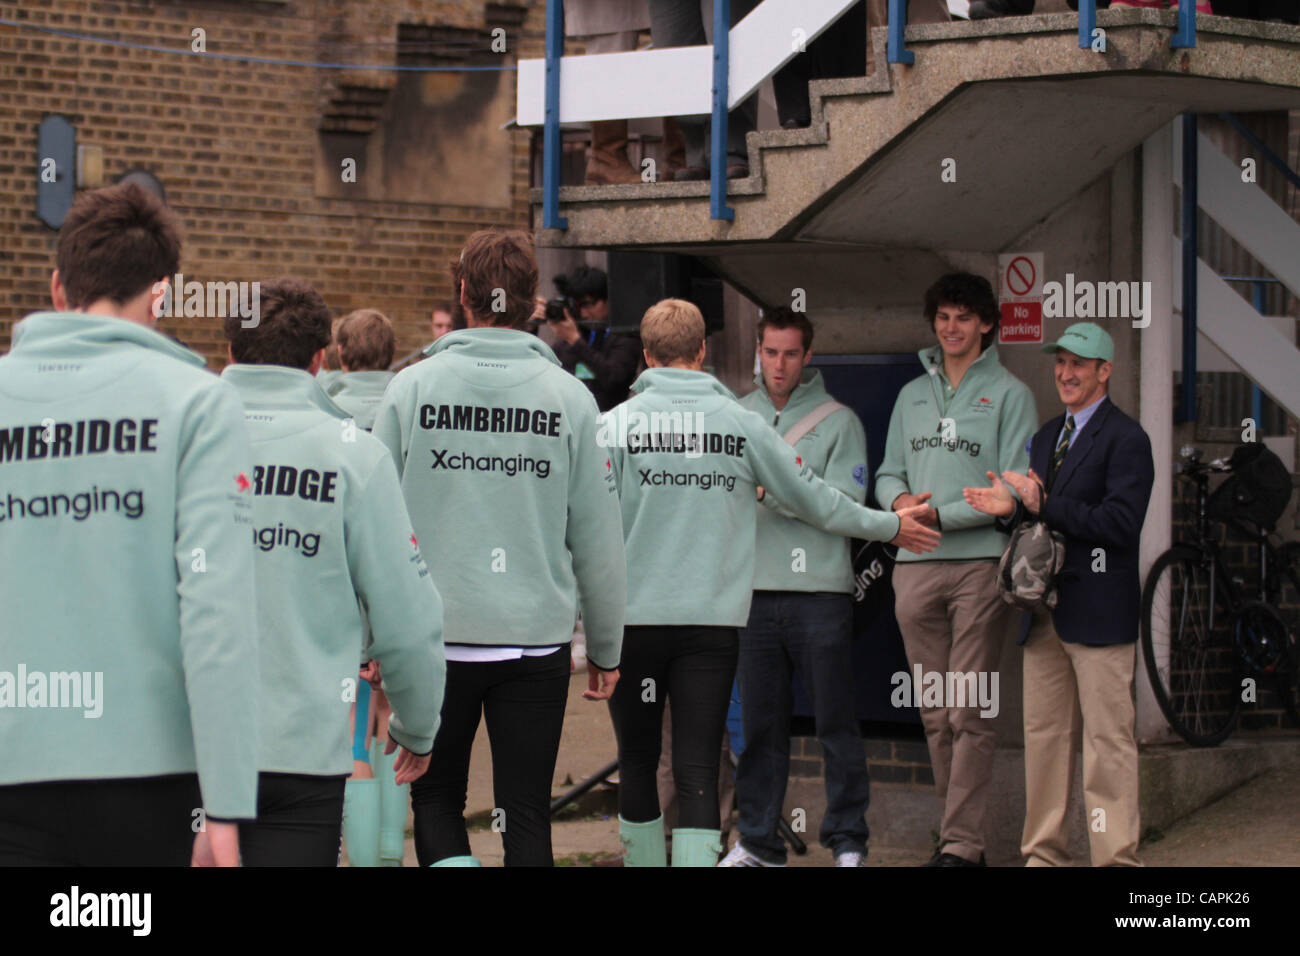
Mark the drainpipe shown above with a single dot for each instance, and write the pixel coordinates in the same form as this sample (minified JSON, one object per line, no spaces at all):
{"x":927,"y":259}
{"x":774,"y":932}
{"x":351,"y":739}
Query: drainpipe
{"x":1156,"y":373}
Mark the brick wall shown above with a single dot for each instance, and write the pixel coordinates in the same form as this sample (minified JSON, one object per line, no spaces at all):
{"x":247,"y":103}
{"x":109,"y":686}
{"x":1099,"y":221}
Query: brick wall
{"x":888,"y":761}
{"x":238,"y":146}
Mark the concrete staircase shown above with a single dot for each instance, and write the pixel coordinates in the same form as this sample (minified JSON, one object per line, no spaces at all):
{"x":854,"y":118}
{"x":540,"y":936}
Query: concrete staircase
{"x":1020,"y":108}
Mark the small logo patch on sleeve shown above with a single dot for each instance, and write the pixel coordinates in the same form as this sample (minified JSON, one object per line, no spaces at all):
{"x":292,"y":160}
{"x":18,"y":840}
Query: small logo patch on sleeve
{"x":860,"y":475}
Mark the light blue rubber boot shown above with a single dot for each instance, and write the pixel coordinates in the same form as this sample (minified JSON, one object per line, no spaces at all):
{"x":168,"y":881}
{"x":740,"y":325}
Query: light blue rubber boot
{"x":696,"y":847}
{"x":361,"y":822}
{"x":394,"y":801}
{"x":643,"y":843}
{"x":458,"y":861}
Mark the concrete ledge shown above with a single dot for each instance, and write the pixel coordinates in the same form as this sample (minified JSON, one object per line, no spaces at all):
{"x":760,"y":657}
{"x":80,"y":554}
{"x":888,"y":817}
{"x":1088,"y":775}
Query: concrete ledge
{"x":1175,"y":782}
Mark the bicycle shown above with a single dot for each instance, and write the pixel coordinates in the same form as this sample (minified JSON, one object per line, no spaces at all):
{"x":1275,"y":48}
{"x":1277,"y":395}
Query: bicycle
{"x":1204,"y":633}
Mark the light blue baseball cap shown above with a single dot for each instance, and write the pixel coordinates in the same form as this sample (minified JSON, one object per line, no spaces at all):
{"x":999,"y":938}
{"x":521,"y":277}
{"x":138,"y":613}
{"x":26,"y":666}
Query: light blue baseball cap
{"x":1087,"y":340}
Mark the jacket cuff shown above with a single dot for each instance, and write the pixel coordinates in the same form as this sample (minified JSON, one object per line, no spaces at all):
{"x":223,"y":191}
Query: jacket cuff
{"x":420,"y":746}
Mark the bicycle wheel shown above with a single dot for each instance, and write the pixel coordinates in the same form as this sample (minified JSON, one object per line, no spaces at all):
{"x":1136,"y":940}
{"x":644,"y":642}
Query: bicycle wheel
{"x":1287,"y":603}
{"x":1193,"y":665}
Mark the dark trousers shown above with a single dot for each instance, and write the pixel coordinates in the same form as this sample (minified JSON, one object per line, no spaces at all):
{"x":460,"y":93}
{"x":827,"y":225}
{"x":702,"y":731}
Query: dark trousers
{"x":299,"y":821}
{"x":523,"y":703}
{"x":679,"y":23}
{"x":840,"y":51}
{"x":694,"y":668}
{"x":141,"y":821}
{"x":810,"y":635}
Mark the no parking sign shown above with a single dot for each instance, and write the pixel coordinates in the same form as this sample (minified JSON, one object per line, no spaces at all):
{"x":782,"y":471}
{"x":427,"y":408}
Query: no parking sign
{"x":1020,"y":294}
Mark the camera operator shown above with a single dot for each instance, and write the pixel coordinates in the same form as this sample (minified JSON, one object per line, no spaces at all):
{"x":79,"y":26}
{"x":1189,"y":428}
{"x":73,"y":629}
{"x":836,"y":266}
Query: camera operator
{"x":607,"y":363}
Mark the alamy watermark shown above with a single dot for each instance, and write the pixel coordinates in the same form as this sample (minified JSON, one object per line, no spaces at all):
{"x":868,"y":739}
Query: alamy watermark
{"x":208,"y":300}
{"x":947,"y":689}
{"x":681,"y":433}
{"x":75,"y":690}
{"x":1098,"y":300}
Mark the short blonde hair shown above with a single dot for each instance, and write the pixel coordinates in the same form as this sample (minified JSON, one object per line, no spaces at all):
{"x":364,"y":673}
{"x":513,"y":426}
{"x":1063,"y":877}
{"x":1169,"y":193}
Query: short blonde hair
{"x":365,"y":340}
{"x":672,"y":330}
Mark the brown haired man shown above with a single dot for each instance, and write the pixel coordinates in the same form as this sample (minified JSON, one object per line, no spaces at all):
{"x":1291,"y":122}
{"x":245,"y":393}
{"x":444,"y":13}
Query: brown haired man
{"x":127,"y":566}
{"x":801,"y":619}
{"x":965,"y":416}
{"x":327,"y":510}
{"x":366,"y":344}
{"x":496,"y":447}
{"x":442,"y":320}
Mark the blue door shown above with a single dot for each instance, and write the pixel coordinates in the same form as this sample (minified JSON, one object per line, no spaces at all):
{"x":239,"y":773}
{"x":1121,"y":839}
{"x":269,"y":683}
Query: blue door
{"x":869,"y":384}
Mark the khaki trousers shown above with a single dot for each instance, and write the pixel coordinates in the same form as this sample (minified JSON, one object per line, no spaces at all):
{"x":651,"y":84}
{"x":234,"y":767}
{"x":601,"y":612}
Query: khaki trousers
{"x":1073,"y":689}
{"x":953,"y":620}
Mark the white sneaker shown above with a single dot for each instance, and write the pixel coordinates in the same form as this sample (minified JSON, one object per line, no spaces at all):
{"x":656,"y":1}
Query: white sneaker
{"x":850,"y":859}
{"x":739,"y":856}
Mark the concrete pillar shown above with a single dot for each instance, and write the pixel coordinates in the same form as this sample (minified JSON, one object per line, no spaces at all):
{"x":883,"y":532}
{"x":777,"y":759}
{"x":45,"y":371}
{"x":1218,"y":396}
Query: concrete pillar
{"x":1155,"y":394}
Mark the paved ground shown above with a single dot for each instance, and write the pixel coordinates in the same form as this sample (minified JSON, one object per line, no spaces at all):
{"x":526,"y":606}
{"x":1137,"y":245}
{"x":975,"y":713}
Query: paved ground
{"x":1255,"y":825}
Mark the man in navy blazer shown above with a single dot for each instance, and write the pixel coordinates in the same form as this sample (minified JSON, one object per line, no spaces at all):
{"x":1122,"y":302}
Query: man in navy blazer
{"x":1079,"y":659}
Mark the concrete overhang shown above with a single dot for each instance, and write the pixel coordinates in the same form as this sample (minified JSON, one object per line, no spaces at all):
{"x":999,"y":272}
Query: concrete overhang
{"x":1028,"y":117}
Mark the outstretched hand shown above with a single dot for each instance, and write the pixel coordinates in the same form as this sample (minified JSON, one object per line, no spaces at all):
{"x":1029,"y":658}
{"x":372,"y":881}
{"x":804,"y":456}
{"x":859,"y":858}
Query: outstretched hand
{"x":993,"y":500}
{"x":913,"y":534}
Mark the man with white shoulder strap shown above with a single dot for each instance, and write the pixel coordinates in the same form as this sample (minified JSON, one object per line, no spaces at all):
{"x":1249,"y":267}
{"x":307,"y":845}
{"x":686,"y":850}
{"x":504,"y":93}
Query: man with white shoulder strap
{"x":801,"y":619}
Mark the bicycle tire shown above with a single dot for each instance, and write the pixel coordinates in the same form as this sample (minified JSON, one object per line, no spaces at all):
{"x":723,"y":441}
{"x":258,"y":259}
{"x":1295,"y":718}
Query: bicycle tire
{"x":1199,"y":689}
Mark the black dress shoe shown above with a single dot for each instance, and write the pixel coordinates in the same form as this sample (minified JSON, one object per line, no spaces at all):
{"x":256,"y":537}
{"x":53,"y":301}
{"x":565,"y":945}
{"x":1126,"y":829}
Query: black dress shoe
{"x":951,"y":859}
{"x":691,"y":174}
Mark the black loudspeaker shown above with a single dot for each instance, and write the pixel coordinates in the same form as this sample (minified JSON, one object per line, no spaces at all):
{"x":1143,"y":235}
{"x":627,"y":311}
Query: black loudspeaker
{"x":637,"y":280}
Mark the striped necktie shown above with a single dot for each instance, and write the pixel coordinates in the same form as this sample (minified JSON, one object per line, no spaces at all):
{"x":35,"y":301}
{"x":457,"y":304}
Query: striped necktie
{"x":1063,"y":448}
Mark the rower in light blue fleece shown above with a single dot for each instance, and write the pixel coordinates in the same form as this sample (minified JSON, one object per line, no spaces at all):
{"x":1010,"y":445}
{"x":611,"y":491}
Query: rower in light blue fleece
{"x":334,"y":549}
{"x":128,"y":655}
{"x":364,"y":343}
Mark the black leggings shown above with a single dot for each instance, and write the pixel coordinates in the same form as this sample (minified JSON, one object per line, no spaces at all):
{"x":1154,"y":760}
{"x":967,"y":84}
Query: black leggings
{"x":299,"y":821}
{"x":694,"y":667}
{"x":523,"y":703}
{"x":141,"y":821}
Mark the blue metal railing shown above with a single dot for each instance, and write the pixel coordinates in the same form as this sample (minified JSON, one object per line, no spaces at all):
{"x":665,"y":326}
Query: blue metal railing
{"x":1185,"y":35}
{"x":551,"y":136}
{"x":1087,"y":22}
{"x":1258,"y":283}
{"x":1249,"y":136}
{"x":718,"y":208}
{"x":1258,"y":286}
{"x":898,"y":52}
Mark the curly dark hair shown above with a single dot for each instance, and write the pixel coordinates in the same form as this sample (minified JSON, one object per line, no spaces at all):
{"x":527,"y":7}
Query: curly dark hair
{"x":293,"y":325}
{"x":968,"y":292}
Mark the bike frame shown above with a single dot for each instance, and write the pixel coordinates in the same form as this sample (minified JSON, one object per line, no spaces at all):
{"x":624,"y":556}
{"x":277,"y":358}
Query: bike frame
{"x":1222,"y":585}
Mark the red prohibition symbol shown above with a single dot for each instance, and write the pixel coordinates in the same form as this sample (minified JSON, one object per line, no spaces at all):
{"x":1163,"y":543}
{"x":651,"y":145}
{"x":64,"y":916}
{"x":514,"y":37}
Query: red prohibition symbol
{"x":1021,"y":275}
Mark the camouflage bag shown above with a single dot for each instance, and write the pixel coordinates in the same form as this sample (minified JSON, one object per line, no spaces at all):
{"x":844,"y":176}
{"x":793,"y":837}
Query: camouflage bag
{"x":1028,"y":569}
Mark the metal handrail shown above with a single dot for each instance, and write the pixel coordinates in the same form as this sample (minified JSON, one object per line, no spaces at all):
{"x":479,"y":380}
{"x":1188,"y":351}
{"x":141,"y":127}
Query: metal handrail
{"x":1249,"y":136}
{"x":898,"y":52}
{"x":718,"y":208}
{"x":551,"y":144}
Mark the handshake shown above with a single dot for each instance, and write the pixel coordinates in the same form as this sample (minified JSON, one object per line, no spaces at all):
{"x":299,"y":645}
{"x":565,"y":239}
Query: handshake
{"x":917,"y":523}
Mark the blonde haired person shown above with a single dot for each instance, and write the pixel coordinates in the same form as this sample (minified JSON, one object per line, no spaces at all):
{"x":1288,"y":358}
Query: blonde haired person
{"x":687,"y":483}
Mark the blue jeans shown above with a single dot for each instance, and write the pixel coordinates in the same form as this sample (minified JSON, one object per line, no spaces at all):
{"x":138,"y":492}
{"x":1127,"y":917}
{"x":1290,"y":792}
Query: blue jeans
{"x":808,"y":634}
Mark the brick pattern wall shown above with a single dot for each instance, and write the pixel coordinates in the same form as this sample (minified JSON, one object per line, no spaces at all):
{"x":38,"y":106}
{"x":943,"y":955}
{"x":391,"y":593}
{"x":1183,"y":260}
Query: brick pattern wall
{"x":236,"y":145}
{"x":888,"y":761}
